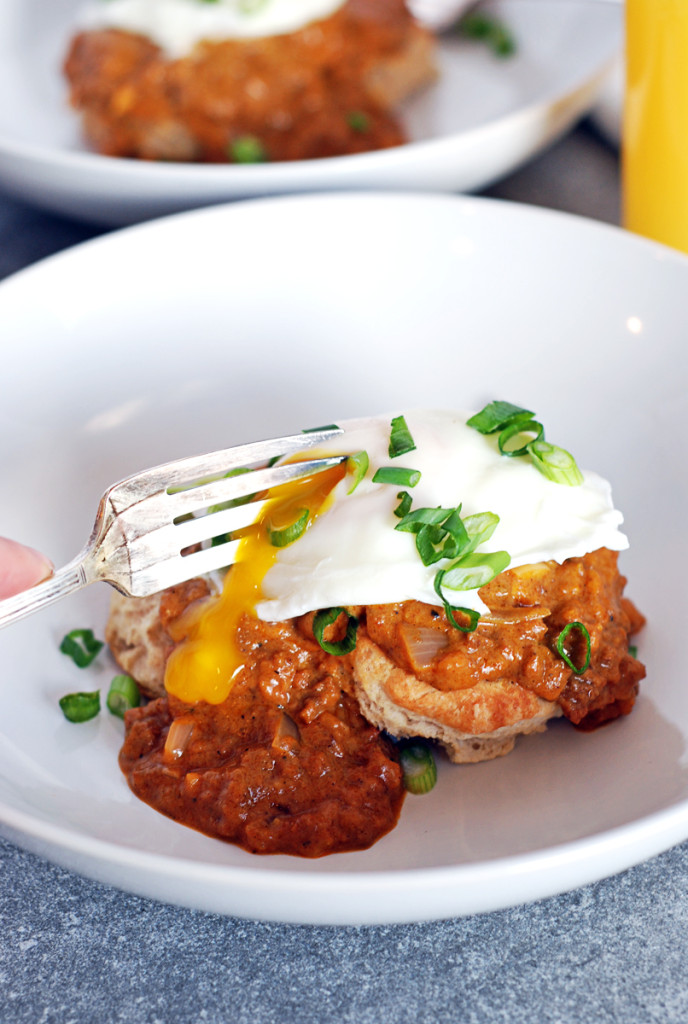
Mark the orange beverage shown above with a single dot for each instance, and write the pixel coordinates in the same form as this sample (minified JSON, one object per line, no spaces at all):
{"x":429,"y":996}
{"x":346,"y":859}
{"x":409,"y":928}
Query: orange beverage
{"x":655,"y":130}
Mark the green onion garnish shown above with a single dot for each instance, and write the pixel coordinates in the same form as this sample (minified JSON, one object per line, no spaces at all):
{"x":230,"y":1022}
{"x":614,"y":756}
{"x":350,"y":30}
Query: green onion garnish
{"x":440,"y":532}
{"x":122,"y":695}
{"x":488,"y":29}
{"x":470,"y":613}
{"x":325,"y":618}
{"x":81,"y":646}
{"x":418,"y":766}
{"x":555,"y":463}
{"x":397,"y":475}
{"x":357,"y":465}
{"x":633,"y":650}
{"x":80,"y":707}
{"x":496,"y":415}
{"x":562,"y":652}
{"x":518,"y":429}
{"x":404,"y":506}
{"x":358,"y":121}
{"x":479,"y":528}
{"x":472,"y":571}
{"x":247,"y":149}
{"x":251,"y":6}
{"x":400,"y":439}
{"x":281,"y":537}
{"x":316,"y":430}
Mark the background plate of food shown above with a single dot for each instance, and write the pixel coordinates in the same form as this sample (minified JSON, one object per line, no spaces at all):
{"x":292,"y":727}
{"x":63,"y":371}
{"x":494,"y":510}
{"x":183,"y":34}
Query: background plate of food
{"x":257,"y":319}
{"x":482,"y":116}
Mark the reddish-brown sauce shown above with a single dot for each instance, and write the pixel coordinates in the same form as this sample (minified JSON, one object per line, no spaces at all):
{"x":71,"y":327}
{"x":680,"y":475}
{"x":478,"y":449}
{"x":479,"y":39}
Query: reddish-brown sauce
{"x":285,"y":765}
{"x":317,"y":92}
{"x":517,"y":641}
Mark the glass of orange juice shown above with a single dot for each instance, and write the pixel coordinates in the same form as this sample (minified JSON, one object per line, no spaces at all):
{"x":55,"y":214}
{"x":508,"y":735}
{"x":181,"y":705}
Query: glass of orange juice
{"x":655,"y":127}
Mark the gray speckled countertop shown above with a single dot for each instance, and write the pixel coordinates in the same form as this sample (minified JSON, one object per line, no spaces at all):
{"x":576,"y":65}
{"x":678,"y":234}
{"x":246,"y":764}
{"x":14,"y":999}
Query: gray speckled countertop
{"x":75,"y":951}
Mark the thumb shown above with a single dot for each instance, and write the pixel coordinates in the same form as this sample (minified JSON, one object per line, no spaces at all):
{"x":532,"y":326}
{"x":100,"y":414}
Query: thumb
{"x":20,"y":567}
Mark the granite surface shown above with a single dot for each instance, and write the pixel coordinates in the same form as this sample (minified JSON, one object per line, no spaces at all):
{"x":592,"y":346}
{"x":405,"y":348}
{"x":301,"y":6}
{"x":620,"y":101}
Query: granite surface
{"x":75,"y":951}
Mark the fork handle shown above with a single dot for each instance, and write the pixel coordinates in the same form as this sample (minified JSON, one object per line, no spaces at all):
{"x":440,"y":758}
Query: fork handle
{"x":65,"y":581}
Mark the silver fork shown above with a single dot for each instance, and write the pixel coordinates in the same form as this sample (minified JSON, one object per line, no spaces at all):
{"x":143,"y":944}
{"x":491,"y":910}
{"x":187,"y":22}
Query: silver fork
{"x":146,"y":524}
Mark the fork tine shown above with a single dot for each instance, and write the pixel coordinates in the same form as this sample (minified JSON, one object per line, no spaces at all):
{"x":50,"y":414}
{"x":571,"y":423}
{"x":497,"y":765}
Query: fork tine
{"x":155,"y":546}
{"x":186,"y":472}
{"x":234,"y":488}
{"x":177,"y":569}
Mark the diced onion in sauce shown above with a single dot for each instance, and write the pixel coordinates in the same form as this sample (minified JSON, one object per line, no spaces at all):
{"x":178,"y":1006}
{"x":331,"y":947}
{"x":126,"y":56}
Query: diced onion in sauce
{"x":178,"y":737}
{"x":423,"y":645}
{"x":286,"y":730}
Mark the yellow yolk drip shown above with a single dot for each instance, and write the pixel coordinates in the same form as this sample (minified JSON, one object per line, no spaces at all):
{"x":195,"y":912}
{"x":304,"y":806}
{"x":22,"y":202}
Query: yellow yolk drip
{"x":204,"y":664}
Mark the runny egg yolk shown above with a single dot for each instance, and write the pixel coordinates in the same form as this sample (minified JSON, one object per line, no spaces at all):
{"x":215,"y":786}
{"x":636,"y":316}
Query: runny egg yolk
{"x":204,"y":664}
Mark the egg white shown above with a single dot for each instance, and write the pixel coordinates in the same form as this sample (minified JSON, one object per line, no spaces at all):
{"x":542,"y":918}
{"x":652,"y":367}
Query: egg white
{"x":352,"y":555}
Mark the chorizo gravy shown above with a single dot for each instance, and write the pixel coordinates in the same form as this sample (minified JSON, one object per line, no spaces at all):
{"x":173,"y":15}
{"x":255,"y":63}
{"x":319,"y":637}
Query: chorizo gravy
{"x":328,"y":88}
{"x":300,"y":751}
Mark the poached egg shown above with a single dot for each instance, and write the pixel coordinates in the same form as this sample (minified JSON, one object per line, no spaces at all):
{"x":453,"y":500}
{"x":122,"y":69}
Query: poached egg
{"x":350,"y":552}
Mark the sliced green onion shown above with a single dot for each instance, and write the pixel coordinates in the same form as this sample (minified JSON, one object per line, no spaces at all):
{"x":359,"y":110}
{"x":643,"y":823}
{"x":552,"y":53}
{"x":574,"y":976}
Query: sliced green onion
{"x":397,"y":475}
{"x":633,"y":650}
{"x":80,"y":707}
{"x":479,"y":528}
{"x":251,"y":6}
{"x":247,"y":149}
{"x":490,"y":30}
{"x":496,"y":415}
{"x":562,"y":652}
{"x":81,"y":646}
{"x":316,"y":430}
{"x":357,"y":465}
{"x":404,"y":506}
{"x":282,"y":537}
{"x":400,"y":439}
{"x":440,"y":532}
{"x":470,"y":613}
{"x":325,"y":618}
{"x":555,"y":463}
{"x":358,"y":121}
{"x":515,"y":430}
{"x":418,"y":767}
{"x":123,"y":695}
{"x":414,"y":521}
{"x":445,"y":541}
{"x":475,"y":570}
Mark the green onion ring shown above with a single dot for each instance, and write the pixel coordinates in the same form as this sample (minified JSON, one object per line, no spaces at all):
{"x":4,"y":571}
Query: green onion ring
{"x":247,"y":149}
{"x":357,"y":465}
{"x":282,"y":537}
{"x":400,"y":439}
{"x":418,"y":767}
{"x":497,"y":414}
{"x":475,"y":570}
{"x":397,"y":475}
{"x":324,"y":618}
{"x":513,"y":430}
{"x":562,"y":653}
{"x":404,"y":506}
{"x":473,"y":616}
{"x":80,"y":707}
{"x":123,"y":695}
{"x":555,"y":463}
{"x":81,"y":646}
